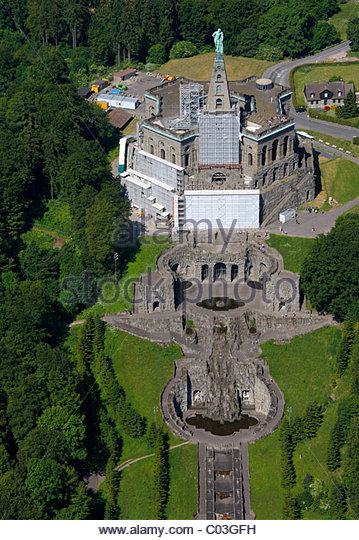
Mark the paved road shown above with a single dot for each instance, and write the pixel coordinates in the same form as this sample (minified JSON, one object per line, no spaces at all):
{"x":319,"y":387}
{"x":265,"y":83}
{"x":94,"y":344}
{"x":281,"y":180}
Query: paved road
{"x":280,"y":74}
{"x":322,"y":222}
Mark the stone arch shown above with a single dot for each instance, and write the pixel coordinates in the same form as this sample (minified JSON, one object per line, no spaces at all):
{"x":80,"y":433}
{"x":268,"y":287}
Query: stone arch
{"x":250,"y":159}
{"x":274,"y":150}
{"x":219,"y":104}
{"x":161,"y":150}
{"x":219,"y":89}
{"x":219,"y":271}
{"x":285,"y":146}
{"x":264,"y":179}
{"x":173,"y":155}
{"x":234,"y":271}
{"x":274,"y":176}
{"x":151,"y":146}
{"x":264,"y":155}
{"x":204,"y":272}
{"x":155,"y":305}
{"x":219,"y":77}
{"x":308,"y":195}
{"x":285,"y":169}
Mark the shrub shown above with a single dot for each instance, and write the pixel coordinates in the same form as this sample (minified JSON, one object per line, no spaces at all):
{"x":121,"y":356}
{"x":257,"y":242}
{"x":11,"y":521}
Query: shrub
{"x":269,"y":52}
{"x":183,"y":49}
{"x":355,"y":140}
{"x":157,"y":54}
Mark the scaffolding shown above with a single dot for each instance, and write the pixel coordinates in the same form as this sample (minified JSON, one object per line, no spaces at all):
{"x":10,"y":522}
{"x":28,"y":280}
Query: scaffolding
{"x":155,"y":167}
{"x":190,"y":104}
{"x":219,"y":140}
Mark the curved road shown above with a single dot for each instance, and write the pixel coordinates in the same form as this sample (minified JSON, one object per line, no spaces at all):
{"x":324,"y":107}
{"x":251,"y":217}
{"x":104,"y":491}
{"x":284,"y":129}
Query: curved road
{"x":279,"y":73}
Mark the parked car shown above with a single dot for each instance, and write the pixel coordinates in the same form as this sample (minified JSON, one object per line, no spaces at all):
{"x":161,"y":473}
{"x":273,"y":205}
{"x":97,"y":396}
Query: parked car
{"x":300,"y":109}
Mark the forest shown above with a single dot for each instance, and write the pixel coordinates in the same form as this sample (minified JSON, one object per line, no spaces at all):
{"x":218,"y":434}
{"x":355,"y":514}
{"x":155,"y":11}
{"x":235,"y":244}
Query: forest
{"x":107,"y":31}
{"x":60,"y":418}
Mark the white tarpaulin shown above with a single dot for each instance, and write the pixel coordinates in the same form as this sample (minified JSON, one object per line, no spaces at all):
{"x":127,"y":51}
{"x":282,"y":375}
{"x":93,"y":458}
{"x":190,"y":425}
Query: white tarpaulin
{"x":221,"y":208}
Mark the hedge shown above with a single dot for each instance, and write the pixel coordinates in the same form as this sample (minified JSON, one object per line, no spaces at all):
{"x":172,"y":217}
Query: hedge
{"x":313,"y":113}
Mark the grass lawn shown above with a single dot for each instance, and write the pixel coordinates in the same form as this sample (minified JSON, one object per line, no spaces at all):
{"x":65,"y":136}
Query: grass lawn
{"x":142,"y":368}
{"x":340,"y":20}
{"x":114,"y":298}
{"x":199,"y":67}
{"x":323,"y":72}
{"x":131,"y":128}
{"x":293,"y":250}
{"x":304,"y":370}
{"x":57,"y":218}
{"x":341,"y":178}
{"x":135,"y":501}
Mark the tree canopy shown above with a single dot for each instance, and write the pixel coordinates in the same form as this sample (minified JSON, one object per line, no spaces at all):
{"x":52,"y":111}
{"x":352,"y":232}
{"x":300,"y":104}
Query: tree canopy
{"x":330,"y":273}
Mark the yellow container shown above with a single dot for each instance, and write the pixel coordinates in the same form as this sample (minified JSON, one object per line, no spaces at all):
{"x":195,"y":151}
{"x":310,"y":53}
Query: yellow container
{"x":102,"y":105}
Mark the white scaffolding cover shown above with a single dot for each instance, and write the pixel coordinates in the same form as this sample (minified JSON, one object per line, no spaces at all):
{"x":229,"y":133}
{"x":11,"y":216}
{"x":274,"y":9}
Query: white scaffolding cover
{"x":221,"y":208}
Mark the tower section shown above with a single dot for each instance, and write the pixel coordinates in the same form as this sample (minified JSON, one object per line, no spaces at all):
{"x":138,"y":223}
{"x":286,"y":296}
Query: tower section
{"x":219,"y":123}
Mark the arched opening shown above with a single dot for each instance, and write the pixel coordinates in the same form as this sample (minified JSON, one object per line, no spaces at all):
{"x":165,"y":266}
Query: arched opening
{"x":264,"y":179}
{"x":219,"y":89}
{"x":256,"y":184}
{"x":308,"y":194}
{"x":218,"y":178}
{"x":173,"y":158}
{"x":220,"y":271}
{"x":219,"y":78}
{"x":152,"y":149}
{"x":285,"y":146}
{"x":156,"y":305}
{"x":250,"y":160}
{"x":234,"y":271}
{"x":204,"y":272}
{"x":285,"y":170}
{"x":274,"y":150}
{"x":274,"y":175}
{"x":219,"y":104}
{"x":162,"y":154}
{"x":264,"y":155}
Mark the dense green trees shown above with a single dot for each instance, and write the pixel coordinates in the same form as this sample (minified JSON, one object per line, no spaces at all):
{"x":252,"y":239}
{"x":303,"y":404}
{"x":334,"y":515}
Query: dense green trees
{"x":126,"y":29}
{"x":160,"y":474}
{"x":330,"y":272}
{"x":350,"y":107}
{"x":324,"y":34}
{"x":353,"y":33}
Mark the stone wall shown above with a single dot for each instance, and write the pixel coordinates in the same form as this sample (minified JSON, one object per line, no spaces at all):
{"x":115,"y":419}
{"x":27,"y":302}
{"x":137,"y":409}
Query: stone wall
{"x":293,"y":193}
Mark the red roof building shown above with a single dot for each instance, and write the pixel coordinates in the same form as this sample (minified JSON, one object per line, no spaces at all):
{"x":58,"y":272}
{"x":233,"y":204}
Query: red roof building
{"x":123,"y":75}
